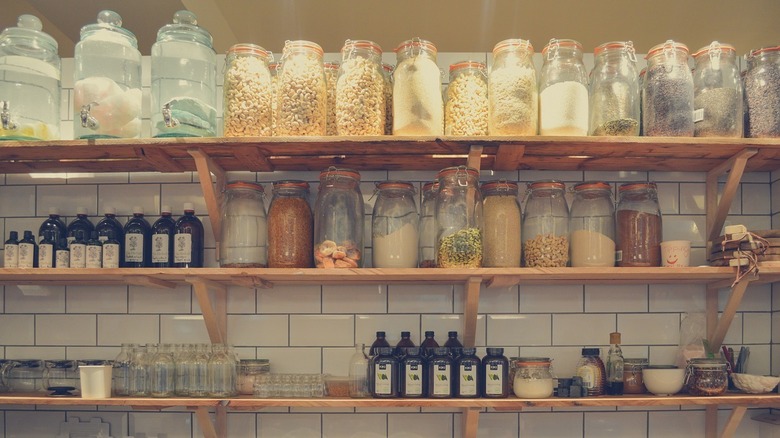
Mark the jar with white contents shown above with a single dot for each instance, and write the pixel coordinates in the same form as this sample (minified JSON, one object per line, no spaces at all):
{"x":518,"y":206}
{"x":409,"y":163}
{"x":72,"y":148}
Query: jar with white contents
{"x":563,"y":90}
{"x":418,"y":106}
{"x":533,"y":378}
{"x":244,"y":239}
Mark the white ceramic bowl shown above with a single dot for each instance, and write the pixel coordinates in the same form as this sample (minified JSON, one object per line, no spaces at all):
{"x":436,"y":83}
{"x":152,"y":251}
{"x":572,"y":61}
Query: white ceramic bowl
{"x":663,"y":380}
{"x":754,"y":384}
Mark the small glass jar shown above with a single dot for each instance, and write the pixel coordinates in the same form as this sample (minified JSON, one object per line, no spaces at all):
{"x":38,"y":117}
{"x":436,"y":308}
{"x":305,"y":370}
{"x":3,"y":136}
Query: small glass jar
{"x":290,"y":226}
{"x":592,"y":225}
{"x":706,"y":377}
{"x":60,"y":374}
{"x":545,"y":225}
{"x":427,"y":243}
{"x":246,"y":92}
{"x":667,"y":93}
{"x":762,"y":92}
{"x":563,"y":90}
{"x":418,"y":107}
{"x":360,"y":105}
{"x":466,"y":106}
{"x":717,"y":91}
{"x":331,"y":79}
{"x":633,"y":383}
{"x":502,"y":237}
{"x":249,"y":371}
{"x":244,"y":237}
{"x":387,"y":91}
{"x":458,"y":219}
{"x":338,"y":220}
{"x":512,"y":89}
{"x":614,"y":91}
{"x":302,"y":96}
{"x":394,"y":226}
{"x":533,"y":378}
{"x":638,"y":225}
{"x":24,"y":375}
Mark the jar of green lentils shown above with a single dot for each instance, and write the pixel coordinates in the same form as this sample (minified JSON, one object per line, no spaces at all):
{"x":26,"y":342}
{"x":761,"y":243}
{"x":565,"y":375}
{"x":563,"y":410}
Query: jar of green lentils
{"x":458,"y":218}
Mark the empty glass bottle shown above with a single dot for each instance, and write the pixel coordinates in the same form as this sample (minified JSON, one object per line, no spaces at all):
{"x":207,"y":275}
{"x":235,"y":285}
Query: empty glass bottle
{"x":199,"y":372}
{"x":162,"y":371}
{"x":358,"y":372}
{"x":139,"y":372}
{"x":120,"y":375}
{"x":427,"y":226}
{"x":222,"y":372}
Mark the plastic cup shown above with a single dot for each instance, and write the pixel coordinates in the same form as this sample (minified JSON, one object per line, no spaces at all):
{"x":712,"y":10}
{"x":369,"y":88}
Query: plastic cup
{"x":95,"y":381}
{"x":676,"y":253}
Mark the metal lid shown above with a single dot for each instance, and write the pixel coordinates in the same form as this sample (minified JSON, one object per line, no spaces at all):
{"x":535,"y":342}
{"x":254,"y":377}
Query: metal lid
{"x":109,"y":28}
{"x":591,"y":351}
{"x":185,"y":28}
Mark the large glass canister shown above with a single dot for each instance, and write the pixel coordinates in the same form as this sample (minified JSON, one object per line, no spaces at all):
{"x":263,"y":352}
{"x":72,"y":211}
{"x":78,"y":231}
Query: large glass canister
{"x":394,"y":226}
{"x":545,"y":225}
{"x":501,"y":209}
{"x":706,"y":377}
{"x":360,"y":104}
{"x":301,"y":94}
{"x":762,"y":92}
{"x":614,"y":91}
{"x":458,"y":218}
{"x":29,"y":82}
{"x":638,"y":225}
{"x":563,"y":90}
{"x":184,"y":80}
{"x":466,"y":105}
{"x":592,"y":225}
{"x":246,"y":92}
{"x":512,"y":89}
{"x":667,"y":93}
{"x":107,"y":81}
{"x":338,"y":220}
{"x":331,"y":79}
{"x":244,"y":238}
{"x":418,"y":106}
{"x":717,"y":91}
{"x":290,"y":226}
{"x":427,"y":243}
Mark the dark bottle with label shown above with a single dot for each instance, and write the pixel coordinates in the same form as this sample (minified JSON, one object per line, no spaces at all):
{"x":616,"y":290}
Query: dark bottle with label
{"x":614,"y":366}
{"x":80,"y":223}
{"x":468,"y":381}
{"x":46,"y":250}
{"x":78,"y":250}
{"x":403,"y":344}
{"x":413,"y":379}
{"x":62,"y":254}
{"x":428,"y":344}
{"x":111,"y":251}
{"x":383,"y":373}
{"x":453,"y":344}
{"x":379,"y":342}
{"x":188,"y":241}
{"x":28,"y":251}
{"x":163,"y":232}
{"x":440,"y":374}
{"x":111,"y":223}
{"x":11,"y":251}
{"x":138,"y":240}
{"x":94,"y":251}
{"x":54,"y":224}
{"x":495,"y":374}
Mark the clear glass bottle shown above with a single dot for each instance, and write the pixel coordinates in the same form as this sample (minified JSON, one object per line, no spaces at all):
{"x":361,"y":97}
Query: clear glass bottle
{"x":338,"y":220}
{"x":512,"y":89}
{"x":533,"y":378}
{"x":222,"y":372}
{"x":139,"y":372}
{"x":163,"y":232}
{"x":244,"y":237}
{"x":717,"y":91}
{"x":199,"y":371}
{"x":706,"y":377}
{"x":360,"y":105}
{"x":638,"y":225}
{"x":762,"y":92}
{"x":418,"y":106}
{"x":591,"y":368}
{"x":394,"y":226}
{"x":358,"y":373}
{"x":162,"y":371}
{"x":246,"y":92}
{"x":633,"y":383}
{"x":301,"y":93}
{"x":183,"y":359}
{"x":563,"y":90}
{"x":107,"y":80}
{"x":459,"y":219}
{"x":188,"y":241}
{"x":592,"y":225}
{"x":120,"y":373}
{"x":387,"y":91}
{"x":545,"y":225}
{"x":614,"y":91}
{"x":503,"y":219}
{"x":331,"y":79}
{"x":667,"y":94}
{"x":138,"y":240}
{"x":614,"y":366}
{"x":290,"y":226}
{"x":184,"y":80}
{"x":466,"y":105}
{"x":427,"y":229}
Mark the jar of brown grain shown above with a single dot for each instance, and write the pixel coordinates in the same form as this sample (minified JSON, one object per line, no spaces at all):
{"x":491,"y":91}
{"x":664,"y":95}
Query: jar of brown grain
{"x":290,"y":226}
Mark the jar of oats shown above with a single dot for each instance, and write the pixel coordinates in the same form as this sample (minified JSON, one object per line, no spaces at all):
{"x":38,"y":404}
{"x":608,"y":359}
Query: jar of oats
{"x":458,"y":218}
{"x":512,"y":89}
{"x":466,"y":107}
{"x":302,"y":94}
{"x":387,"y":72}
{"x":331,"y":77}
{"x":418,"y":107}
{"x":290,"y":226}
{"x":360,"y":105}
{"x":545,"y":228}
{"x":247,"y":92}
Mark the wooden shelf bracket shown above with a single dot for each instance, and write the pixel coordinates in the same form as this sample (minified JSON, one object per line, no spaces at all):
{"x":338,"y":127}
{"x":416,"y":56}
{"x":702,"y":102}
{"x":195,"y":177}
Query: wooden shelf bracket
{"x":470,"y":422}
{"x":717,"y":211}
{"x":216,"y":429}
{"x":214,"y":308}
{"x":471,"y":310}
{"x":211,"y":194}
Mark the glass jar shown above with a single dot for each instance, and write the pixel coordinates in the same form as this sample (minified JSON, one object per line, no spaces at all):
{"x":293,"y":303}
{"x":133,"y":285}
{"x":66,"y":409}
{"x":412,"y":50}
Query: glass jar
{"x":667,"y":93}
{"x":24,"y":375}
{"x":427,"y":243}
{"x":162,"y":371}
{"x":633,"y":383}
{"x":717,"y":91}
{"x":29,"y":82}
{"x":458,"y":218}
{"x":592,"y":225}
{"x":244,"y":237}
{"x":762,"y":92}
{"x":394,"y":226}
{"x":331,"y":79}
{"x":638,"y":225}
{"x":290,"y":226}
{"x":184,"y":80}
{"x":418,"y":107}
{"x":387,"y":91}
{"x":533,"y":378}
{"x":512,"y":89}
{"x":591,"y":369}
{"x":222,"y":372}
{"x":246,"y":92}
{"x":466,"y":106}
{"x":338,"y":220}
{"x":614,"y":91}
{"x":545,"y":225}
{"x":563,"y":90}
{"x":302,"y":97}
{"x":249,"y":372}
{"x":120,"y":374}
{"x":107,"y":81}
{"x":360,"y":105}
{"x":60,"y":374}
{"x":706,"y":377}
{"x":358,"y":373}
{"x":273,"y":67}
{"x":501,"y":210}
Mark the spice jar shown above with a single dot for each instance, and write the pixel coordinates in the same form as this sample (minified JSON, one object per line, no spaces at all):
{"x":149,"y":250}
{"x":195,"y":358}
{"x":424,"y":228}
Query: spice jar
{"x":545,"y":225}
{"x":247,"y":92}
{"x":418,"y":108}
{"x":387,"y":91}
{"x":458,"y":219}
{"x":338,"y":220}
{"x":249,"y":371}
{"x":614,"y":91}
{"x":633,"y":383}
{"x":563,"y":90}
{"x":762,"y":92}
{"x":360,"y":106}
{"x":501,"y":210}
{"x":639,"y":226}
{"x":244,"y":237}
{"x":533,"y":378}
{"x":466,"y":106}
{"x":427,"y":242}
{"x":717,"y":91}
{"x":394,"y":226}
{"x":512,"y":89}
{"x":290,"y":226}
{"x":706,"y":377}
{"x":592,"y":225}
{"x":667,"y":93}
{"x":301,"y":93}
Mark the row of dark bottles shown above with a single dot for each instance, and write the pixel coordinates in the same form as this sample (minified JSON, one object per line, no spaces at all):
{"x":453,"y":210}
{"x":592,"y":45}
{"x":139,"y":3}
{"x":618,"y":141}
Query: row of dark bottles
{"x":453,"y":345}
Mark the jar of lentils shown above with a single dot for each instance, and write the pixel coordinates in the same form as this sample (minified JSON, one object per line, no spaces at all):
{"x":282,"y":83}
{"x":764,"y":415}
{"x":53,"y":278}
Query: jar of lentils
{"x":762,"y":92}
{"x":459,"y":219}
{"x":247,"y":92}
{"x":512,"y":89}
{"x":614,"y":91}
{"x":667,"y":94}
{"x":633,"y":383}
{"x":244,"y":240}
{"x":503,"y":219}
{"x":338,"y":220}
{"x":360,"y":105}
{"x":546,"y":225}
{"x":717,"y":91}
{"x":706,"y":377}
{"x":638,"y":225}
{"x":290,"y":226}
{"x":466,"y":106}
{"x":302,"y":95}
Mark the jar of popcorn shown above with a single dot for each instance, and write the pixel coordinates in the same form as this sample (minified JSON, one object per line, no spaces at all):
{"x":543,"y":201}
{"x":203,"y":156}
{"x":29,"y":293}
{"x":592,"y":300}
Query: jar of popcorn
{"x":360,"y":104}
{"x":302,"y":95}
{"x":247,"y":92}
{"x":466,"y":107}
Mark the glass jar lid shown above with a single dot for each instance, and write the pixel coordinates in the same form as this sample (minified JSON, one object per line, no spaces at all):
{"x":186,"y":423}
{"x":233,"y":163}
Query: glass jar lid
{"x":297,"y":45}
{"x":592,"y":185}
{"x":109,"y":28}
{"x":627,"y":187}
{"x":28,"y":39}
{"x":533,"y":361}
{"x":352,"y":45}
{"x":431,"y":186}
{"x":248,"y":49}
{"x":763,"y":50}
{"x":458,"y":170}
{"x":255,"y":364}
{"x":711,"y":363}
{"x":500,"y":186}
{"x":669,"y":47}
{"x":394,"y":185}
{"x":474,"y":65}
{"x":331,"y":65}
{"x":290,"y":184}
{"x":552,"y":48}
{"x":624,"y":46}
{"x":715,"y":47}
{"x":185,"y":28}
{"x":334,"y":173}
{"x":416,"y":45}
{"x":547,"y":184}
{"x":513,"y":44}
{"x":244,"y":185}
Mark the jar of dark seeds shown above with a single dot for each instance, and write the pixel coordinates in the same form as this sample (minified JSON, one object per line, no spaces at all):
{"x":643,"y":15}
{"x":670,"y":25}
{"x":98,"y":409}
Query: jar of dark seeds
{"x":614,"y":91}
{"x":706,"y":377}
{"x":545,"y":227}
{"x":667,"y":94}
{"x":717,"y":92}
{"x":762,"y":92}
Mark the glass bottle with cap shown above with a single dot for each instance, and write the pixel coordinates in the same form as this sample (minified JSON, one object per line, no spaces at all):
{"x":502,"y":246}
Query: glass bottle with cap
{"x":360,"y":104}
{"x":54,"y":224}
{"x":512,"y":89}
{"x":563,"y":89}
{"x":545,"y":225}
{"x":440,"y":374}
{"x":301,"y":93}
{"x":418,"y":106}
{"x":338,"y":220}
{"x":394,"y":226}
{"x":246,"y":92}
{"x":614,"y":91}
{"x":414,"y":379}
{"x":110,"y":223}
{"x":244,"y":238}
{"x":46,"y":250}
{"x":80,"y":222}
{"x":107,"y":80}
{"x":592,"y":225}
{"x":62,"y":254}
{"x":667,"y":93}
{"x":467,"y":374}
{"x":78,"y":249}
{"x":614,"y":366}
{"x":111,"y":251}
{"x":495,"y":374}
{"x":163,"y":232}
{"x":11,"y":250}
{"x":138,"y":240}
{"x":383,"y":374}
{"x":717,"y":92}
{"x":459,"y":219}
{"x":28,"y":250}
{"x":188,"y":241}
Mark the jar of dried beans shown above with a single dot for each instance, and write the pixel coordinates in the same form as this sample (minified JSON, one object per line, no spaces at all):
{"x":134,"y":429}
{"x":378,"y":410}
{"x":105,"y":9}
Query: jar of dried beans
{"x":563,"y":90}
{"x":614,"y":90}
{"x":247,"y":92}
{"x":427,"y":242}
{"x":667,"y":93}
{"x":338,"y":220}
{"x":706,"y":377}
{"x":360,"y":105}
{"x":639,"y":231}
{"x":394,"y":226}
{"x":290,"y":226}
{"x":717,"y":91}
{"x":466,"y":107}
{"x":501,"y":209}
{"x":459,"y":219}
{"x":244,"y":237}
{"x":592,"y":225}
{"x":512,"y":89}
{"x":301,"y":94}
{"x":762,"y":92}
{"x":418,"y":107}
{"x":545,"y":225}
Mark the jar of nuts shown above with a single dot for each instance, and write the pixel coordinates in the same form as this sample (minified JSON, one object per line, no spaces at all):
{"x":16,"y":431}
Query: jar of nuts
{"x":545,"y":228}
{"x":338,"y":220}
{"x":360,"y":104}
{"x":301,"y":94}
{"x":466,"y":107}
{"x":513,"y":93}
{"x":247,"y":92}
{"x":458,"y":219}
{"x":418,"y":107}
{"x":331,"y":77}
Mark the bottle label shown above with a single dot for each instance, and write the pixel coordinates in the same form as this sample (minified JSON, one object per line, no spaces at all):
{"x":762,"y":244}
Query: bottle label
{"x":494,"y":374}
{"x":94,"y":256}
{"x":182,"y":251}
{"x":160,"y":248}
{"x":414,"y":378}
{"x":78,"y":258}
{"x":111,"y":255}
{"x":63,"y":259}
{"x":588,"y":375}
{"x":26,"y":255}
{"x":11,"y":256}
{"x":45,"y":255}
{"x":134,"y":247}
{"x":383,"y":378}
{"x":441,"y":380}
{"x":468,"y":379}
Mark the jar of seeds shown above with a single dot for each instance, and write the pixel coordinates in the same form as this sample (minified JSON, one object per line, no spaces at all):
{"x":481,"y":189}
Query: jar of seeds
{"x":545,"y":225}
{"x":331,"y":78}
{"x":667,"y":94}
{"x":614,"y":91}
{"x":512,"y":89}
{"x":360,"y":105}
{"x":717,"y":91}
{"x":247,"y":92}
{"x":302,"y":95}
{"x":466,"y":106}
{"x":458,"y":218}
{"x":762,"y":92}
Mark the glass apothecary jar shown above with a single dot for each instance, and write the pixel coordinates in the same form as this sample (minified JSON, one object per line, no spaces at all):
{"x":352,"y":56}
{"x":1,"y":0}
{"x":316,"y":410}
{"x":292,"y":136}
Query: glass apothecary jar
{"x":638,"y":225}
{"x":338,"y":220}
{"x":706,"y":377}
{"x":427,"y":243}
{"x":418,"y":106}
{"x":533,"y":378}
{"x":633,"y":382}
{"x":107,"y":81}
{"x":244,"y":237}
{"x":545,"y":228}
{"x":513,"y":92}
{"x":592,"y":225}
{"x":614,"y":91}
{"x":290,"y":226}
{"x":762,"y":92}
{"x":394,"y":226}
{"x":458,"y":218}
{"x":466,"y":106}
{"x":717,"y":91}
{"x":29,"y":82}
{"x":667,"y":92}
{"x":246,"y":92}
{"x":184,"y":80}
{"x":360,"y":104}
{"x":563,"y":90}
{"x":301,"y":94}
{"x":249,"y":372}
{"x":503,"y":220}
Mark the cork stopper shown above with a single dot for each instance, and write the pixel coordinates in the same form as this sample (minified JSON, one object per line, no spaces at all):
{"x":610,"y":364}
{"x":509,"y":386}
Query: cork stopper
{"x":614,"y":338}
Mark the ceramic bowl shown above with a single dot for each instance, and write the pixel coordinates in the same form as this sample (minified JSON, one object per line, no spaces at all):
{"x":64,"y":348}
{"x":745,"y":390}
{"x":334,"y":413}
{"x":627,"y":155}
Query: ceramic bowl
{"x":754,"y":384}
{"x":663,"y":379}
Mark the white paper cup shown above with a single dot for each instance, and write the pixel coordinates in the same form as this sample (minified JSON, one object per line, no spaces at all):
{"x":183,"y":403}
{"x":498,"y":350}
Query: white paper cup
{"x":676,"y":253}
{"x":95,"y":381}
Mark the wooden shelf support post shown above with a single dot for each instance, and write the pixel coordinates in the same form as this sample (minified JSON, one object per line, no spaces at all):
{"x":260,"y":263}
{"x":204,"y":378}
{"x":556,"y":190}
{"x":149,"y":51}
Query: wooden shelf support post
{"x":475,"y":157}
{"x":213,"y":196}
{"x":204,"y":421}
{"x":737,"y":292}
{"x":471,"y":310}
{"x":734,"y":419}
{"x":214,"y":309}
{"x":717,"y":211}
{"x":470,"y":422}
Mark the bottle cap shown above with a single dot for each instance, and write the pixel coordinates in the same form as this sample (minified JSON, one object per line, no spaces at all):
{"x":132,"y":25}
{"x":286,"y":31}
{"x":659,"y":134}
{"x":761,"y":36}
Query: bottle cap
{"x":166,"y":209}
{"x":591,"y":352}
{"x":188,"y":206}
{"x":495,"y":351}
{"x":81,"y":210}
{"x":429,"y":333}
{"x":405,"y":334}
{"x":614,"y":338}
{"x":452,"y":334}
{"x":380,"y":334}
{"x":137,"y":209}
{"x":27,"y":233}
{"x":14,"y":235}
{"x":110,"y":210}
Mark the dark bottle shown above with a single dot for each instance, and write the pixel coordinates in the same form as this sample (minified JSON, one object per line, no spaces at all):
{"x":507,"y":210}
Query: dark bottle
{"x":138,"y":241}
{"x":453,"y":344}
{"x":62,"y":254}
{"x":80,"y":223}
{"x":11,"y":251}
{"x":468,"y":382}
{"x":28,"y":251}
{"x":163,"y":232}
{"x":46,"y":250}
{"x":428,"y":344}
{"x":379,"y":342}
{"x":614,"y":366}
{"x":413,"y":379}
{"x":78,"y":250}
{"x":188,"y":241}
{"x":440,"y":374}
{"x":53,"y":223}
{"x":403,"y":344}
{"x":383,"y":374}
{"x":111,"y":251}
{"x":111,"y":223}
{"x":495,"y":374}
{"x":94,"y":251}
